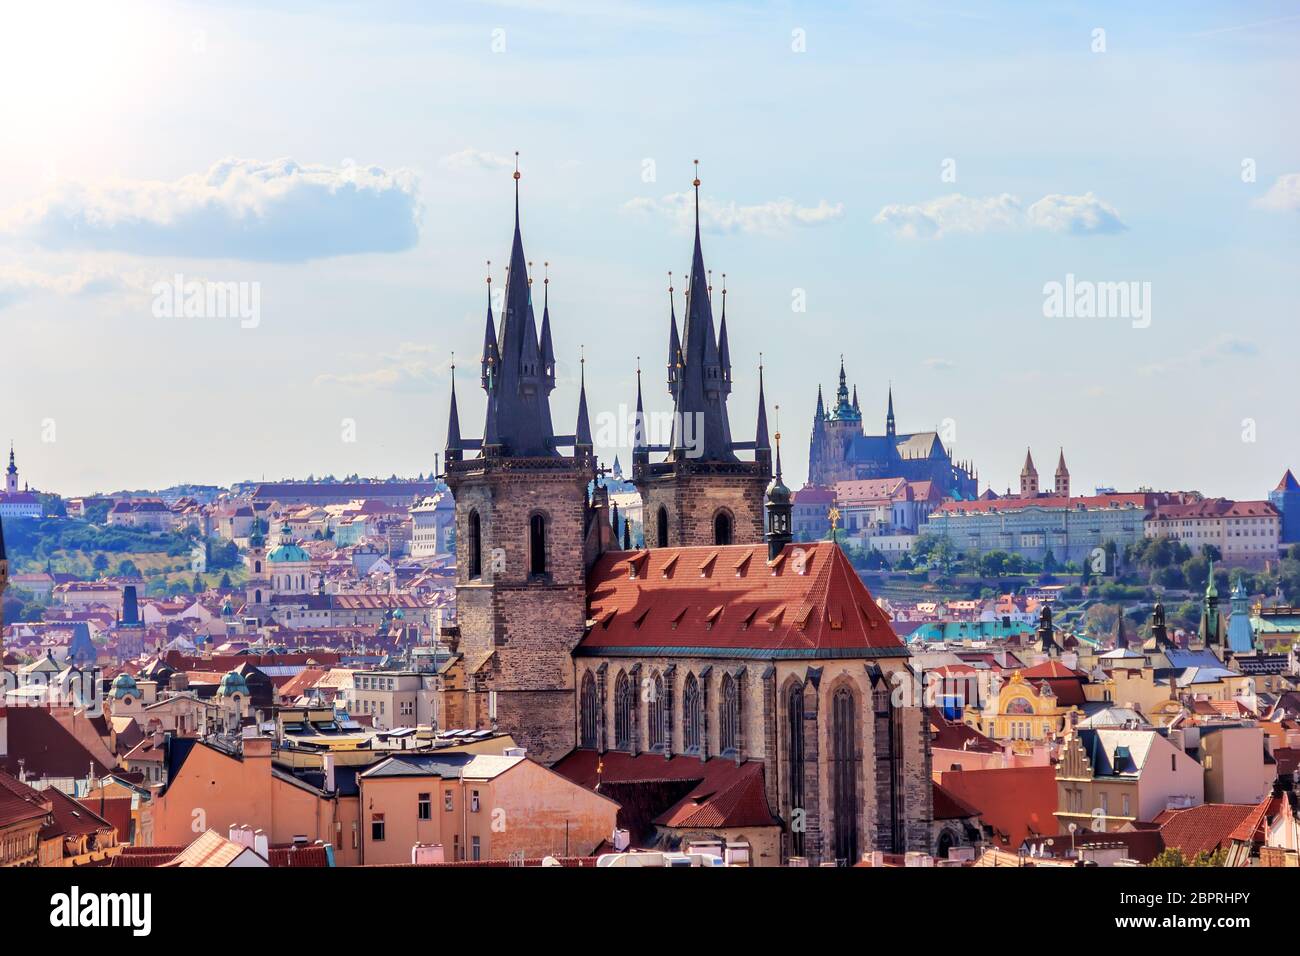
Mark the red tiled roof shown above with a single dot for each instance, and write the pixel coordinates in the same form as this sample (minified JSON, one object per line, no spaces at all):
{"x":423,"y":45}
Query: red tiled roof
{"x":1137,"y":499}
{"x":19,"y":802}
{"x":950,"y":807}
{"x":678,"y":792}
{"x":810,"y":599}
{"x":1052,"y":669}
{"x":71,"y":817}
{"x":46,"y":748}
{"x":954,"y":735}
{"x":813,"y":495}
{"x":1215,"y":508}
{"x":1017,"y":802}
{"x":1201,"y":829}
{"x":116,"y":810}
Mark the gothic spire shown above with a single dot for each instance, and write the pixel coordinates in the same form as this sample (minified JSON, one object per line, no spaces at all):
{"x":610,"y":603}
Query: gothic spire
{"x":724,"y":353}
{"x":639,"y":443}
{"x":889,"y":414}
{"x":453,"y":420}
{"x":701,"y":392}
{"x":519,"y":413}
{"x":760,"y":433}
{"x":674,"y":342}
{"x":582,"y":435}
{"x":548,"y":350}
{"x":821,"y":405}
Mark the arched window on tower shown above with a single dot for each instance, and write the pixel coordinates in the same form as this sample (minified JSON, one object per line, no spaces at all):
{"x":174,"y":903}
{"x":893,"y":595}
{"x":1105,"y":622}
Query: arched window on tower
{"x":661,"y":522}
{"x":475,"y":545}
{"x":588,"y":709}
{"x":692,"y":715}
{"x":722,"y":528}
{"x":659,"y":710}
{"x":537,"y":544}
{"x":729,"y":716}
{"x":624,"y":701}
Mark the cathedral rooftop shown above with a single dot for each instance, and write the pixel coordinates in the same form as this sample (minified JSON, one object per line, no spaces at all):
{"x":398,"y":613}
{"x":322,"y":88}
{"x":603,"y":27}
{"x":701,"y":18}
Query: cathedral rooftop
{"x":732,"y":601}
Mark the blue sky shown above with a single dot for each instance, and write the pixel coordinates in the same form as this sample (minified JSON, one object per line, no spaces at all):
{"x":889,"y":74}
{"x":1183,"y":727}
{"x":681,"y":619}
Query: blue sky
{"x":354,"y":161}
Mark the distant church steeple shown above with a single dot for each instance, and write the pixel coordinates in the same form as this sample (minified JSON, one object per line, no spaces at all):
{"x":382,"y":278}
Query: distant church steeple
{"x":1062,"y":487}
{"x":11,"y":473}
{"x":1028,"y":477}
{"x":890,"y":429}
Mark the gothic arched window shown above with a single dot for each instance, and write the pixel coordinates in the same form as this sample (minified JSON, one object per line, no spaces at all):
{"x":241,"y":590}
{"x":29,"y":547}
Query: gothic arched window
{"x":537,"y":544}
{"x":845,"y":766}
{"x":794,"y":762}
{"x":659,"y":710}
{"x":624,"y":701}
{"x":692,"y":715}
{"x":729,"y":716}
{"x":722,"y":528}
{"x":662,"y":526}
{"x":587,"y":711}
{"x":475,"y":557}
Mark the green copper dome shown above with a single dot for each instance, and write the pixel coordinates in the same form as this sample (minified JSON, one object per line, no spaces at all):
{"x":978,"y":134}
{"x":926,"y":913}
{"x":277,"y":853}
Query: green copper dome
{"x":124,"y":684}
{"x":232,"y":684}
{"x":287,"y":551}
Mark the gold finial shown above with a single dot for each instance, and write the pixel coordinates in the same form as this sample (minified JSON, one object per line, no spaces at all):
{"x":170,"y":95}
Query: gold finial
{"x":516,"y":164}
{"x":489,"y":272}
{"x":776,"y":420}
{"x":724,"y":285}
{"x":710,"y":272}
{"x":453,"y":363}
{"x":670,"y":281}
{"x":530,"y":271}
{"x":696,"y":184}
{"x":546,"y":275}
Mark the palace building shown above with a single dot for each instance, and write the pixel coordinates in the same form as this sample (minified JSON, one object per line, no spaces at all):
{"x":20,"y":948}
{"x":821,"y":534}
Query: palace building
{"x":722,"y":681}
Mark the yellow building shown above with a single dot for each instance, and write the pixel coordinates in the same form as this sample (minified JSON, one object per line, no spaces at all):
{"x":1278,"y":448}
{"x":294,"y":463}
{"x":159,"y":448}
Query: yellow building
{"x":1032,"y":707}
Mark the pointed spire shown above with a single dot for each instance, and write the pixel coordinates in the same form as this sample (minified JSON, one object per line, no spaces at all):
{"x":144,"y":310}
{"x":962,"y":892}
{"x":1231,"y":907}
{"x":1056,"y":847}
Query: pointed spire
{"x":760,"y":433}
{"x":627,"y":534}
{"x":582,"y":435}
{"x":821,"y":405}
{"x":889,"y":413}
{"x":491,"y":354}
{"x":639,"y":441}
{"x":548,"y":349}
{"x":855,"y":399}
{"x":1029,"y":468}
{"x":724,"y":352}
{"x":453,"y":419}
{"x":674,"y":342}
{"x":1060,"y":465}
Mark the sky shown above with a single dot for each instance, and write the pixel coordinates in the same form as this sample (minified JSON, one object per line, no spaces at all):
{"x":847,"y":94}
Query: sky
{"x":898,"y":183}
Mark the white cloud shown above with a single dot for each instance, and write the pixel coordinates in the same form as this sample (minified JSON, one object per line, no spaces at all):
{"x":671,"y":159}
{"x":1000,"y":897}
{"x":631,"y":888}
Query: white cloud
{"x":939,"y":364}
{"x":411,"y":366}
{"x":277,"y":211}
{"x":1283,"y":195}
{"x":17,"y":283}
{"x":957,"y":214}
{"x":1080,"y":215}
{"x":769,"y":218}
{"x":1224,"y":347}
{"x":476,"y":159}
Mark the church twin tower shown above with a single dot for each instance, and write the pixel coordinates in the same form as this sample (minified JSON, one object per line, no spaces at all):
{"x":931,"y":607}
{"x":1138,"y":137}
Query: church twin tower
{"x":530,"y":521}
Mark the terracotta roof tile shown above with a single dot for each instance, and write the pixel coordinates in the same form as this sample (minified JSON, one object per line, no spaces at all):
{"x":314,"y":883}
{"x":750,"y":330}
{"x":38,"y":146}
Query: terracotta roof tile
{"x":1202,"y":829}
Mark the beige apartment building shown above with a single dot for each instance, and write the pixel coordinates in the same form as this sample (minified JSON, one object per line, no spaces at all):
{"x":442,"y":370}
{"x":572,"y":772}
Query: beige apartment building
{"x":1107,"y":778}
{"x":392,"y":698}
{"x":1244,"y":531}
{"x":445,"y":807}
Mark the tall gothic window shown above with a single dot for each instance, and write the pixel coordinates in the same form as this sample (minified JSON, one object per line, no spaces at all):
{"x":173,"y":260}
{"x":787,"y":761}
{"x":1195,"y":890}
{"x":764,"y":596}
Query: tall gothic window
{"x":662,"y":526}
{"x":845,"y":768}
{"x":537,"y":544}
{"x":475,"y":545}
{"x":624,"y":701}
{"x":588,"y":710}
{"x":658,"y":712}
{"x":722,"y":528}
{"x":729,"y":716}
{"x":889,"y":772}
{"x":794,"y":763}
{"x":692,"y":715}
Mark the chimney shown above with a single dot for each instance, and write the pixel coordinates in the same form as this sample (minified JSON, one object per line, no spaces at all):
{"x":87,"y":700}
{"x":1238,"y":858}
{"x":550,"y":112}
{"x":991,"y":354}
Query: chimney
{"x":427,"y":853}
{"x":261,"y":845}
{"x":327,"y":763}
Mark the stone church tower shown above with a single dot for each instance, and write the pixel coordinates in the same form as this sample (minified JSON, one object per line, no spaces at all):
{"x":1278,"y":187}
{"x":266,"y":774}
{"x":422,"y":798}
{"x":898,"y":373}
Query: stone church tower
{"x":702,"y":493}
{"x":523,"y":526}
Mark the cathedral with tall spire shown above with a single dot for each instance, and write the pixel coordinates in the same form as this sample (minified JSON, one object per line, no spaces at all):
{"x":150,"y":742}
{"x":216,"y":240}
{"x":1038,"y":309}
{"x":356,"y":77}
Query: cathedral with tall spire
{"x":839,"y":449}
{"x":702,"y":492}
{"x":526,"y":530}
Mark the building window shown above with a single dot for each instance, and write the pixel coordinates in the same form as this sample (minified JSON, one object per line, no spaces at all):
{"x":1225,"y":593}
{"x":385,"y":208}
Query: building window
{"x":692,"y":715}
{"x":447,"y":803}
{"x":473,"y":801}
{"x":624,"y":701}
{"x":475,"y":545}
{"x":588,"y":711}
{"x":424,"y":805}
{"x":845,"y":767}
{"x":722,"y":528}
{"x":661,"y":527}
{"x":377,"y":827}
{"x":657,"y":712}
{"x":475,"y":848}
{"x":794,"y":761}
{"x":729,"y":716}
{"x":537,"y":544}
